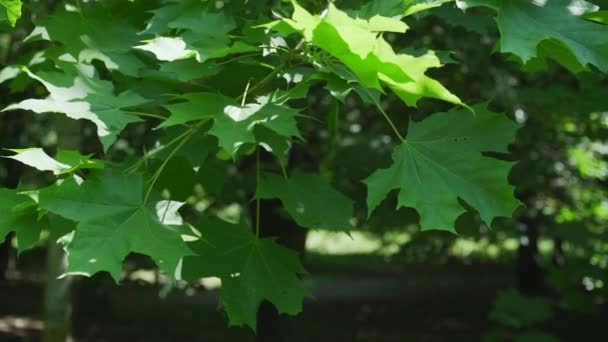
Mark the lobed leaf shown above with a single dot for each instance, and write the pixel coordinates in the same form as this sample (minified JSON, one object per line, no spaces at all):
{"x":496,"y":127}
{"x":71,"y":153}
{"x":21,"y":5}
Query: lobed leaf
{"x":18,"y":213}
{"x":235,"y":125}
{"x":251,"y":270}
{"x":355,"y":43}
{"x":441,"y":161}
{"x":114,"y":221}
{"x":550,"y":29}
{"x":82,"y":96}
{"x":65,"y":161}
{"x":309,"y":199}
{"x":12,"y":11}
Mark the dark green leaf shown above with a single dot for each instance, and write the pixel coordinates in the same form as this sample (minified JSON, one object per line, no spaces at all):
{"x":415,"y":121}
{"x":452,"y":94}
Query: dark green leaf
{"x":113,"y":221}
{"x":251,"y":269}
{"x":441,"y":161}
{"x":309,"y":199}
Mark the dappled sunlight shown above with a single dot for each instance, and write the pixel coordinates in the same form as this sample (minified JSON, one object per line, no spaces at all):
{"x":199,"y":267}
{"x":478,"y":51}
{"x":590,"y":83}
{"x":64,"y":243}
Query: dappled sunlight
{"x":20,"y":326}
{"x":167,"y":48}
{"x":579,"y":7}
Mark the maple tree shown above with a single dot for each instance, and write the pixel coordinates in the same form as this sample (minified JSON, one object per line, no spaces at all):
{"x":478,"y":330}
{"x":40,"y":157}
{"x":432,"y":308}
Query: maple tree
{"x":218,"y":86}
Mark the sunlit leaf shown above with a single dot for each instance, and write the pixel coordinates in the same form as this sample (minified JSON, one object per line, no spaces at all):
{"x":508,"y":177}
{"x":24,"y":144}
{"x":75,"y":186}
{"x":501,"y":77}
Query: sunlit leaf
{"x":11,"y":12}
{"x":371,"y":58}
{"x":65,"y":161}
{"x":83,"y":96}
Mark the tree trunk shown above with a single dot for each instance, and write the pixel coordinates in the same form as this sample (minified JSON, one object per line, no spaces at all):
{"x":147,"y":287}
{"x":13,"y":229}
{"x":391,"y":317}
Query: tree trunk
{"x":530,"y":275}
{"x":7,"y":257}
{"x":11,"y":126}
{"x":58,"y":304}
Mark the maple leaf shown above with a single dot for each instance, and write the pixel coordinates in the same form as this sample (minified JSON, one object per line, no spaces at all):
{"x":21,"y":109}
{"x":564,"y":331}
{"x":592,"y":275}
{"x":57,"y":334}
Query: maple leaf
{"x":204,"y":34}
{"x":12,"y":11}
{"x":393,"y":8}
{"x":441,"y":161}
{"x":236,"y":125}
{"x":84,"y":97}
{"x":309,"y":199}
{"x":64,"y":162}
{"x":251,"y":270}
{"x":18,"y":213}
{"x":555,"y":29}
{"x":113,"y":221}
{"x":355,"y":42}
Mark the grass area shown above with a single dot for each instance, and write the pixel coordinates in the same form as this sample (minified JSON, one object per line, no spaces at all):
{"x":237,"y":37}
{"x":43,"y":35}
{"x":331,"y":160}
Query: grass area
{"x":399,"y":244}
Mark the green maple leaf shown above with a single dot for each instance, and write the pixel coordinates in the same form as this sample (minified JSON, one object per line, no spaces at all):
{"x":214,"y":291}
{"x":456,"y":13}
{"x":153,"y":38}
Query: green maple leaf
{"x":524,"y":25}
{"x":482,"y":24}
{"x":355,"y":42}
{"x":174,"y":14}
{"x":234,"y":125}
{"x":18,"y":213}
{"x":12,"y":11}
{"x":309,"y":199}
{"x":599,"y":16}
{"x":113,"y":221}
{"x":82,"y":96}
{"x":85,"y":41}
{"x":64,"y":162}
{"x":204,"y":34}
{"x":188,"y":69}
{"x":196,"y":150}
{"x":441,"y":161}
{"x":251,"y":270}
{"x":208,"y":34}
{"x":197,"y":106}
{"x":392,"y":8}
{"x":167,"y":48}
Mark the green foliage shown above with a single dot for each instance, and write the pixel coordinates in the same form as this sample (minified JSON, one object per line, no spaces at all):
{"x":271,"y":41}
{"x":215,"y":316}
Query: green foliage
{"x":392,"y":8}
{"x":538,"y":30}
{"x":18,"y":213}
{"x":441,"y":160}
{"x":251,"y":269}
{"x":81,"y":96}
{"x":355,"y":43}
{"x":515,"y":310}
{"x":114,"y":219}
{"x":11,"y":11}
{"x":198,"y":108}
{"x":66,"y":162}
{"x":322,"y":208}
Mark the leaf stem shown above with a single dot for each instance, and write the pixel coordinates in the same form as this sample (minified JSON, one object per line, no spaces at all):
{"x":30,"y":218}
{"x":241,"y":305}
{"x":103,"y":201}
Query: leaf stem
{"x":238,"y":58}
{"x":149,"y":115}
{"x":388,"y":119}
{"x":265,"y":80}
{"x":154,"y":152}
{"x":245,"y":94}
{"x":283,"y":171}
{"x":257,"y":198}
{"x":158,"y":172}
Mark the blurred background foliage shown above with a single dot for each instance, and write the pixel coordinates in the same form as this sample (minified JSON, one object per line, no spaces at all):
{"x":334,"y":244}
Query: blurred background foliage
{"x":541,"y":276}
